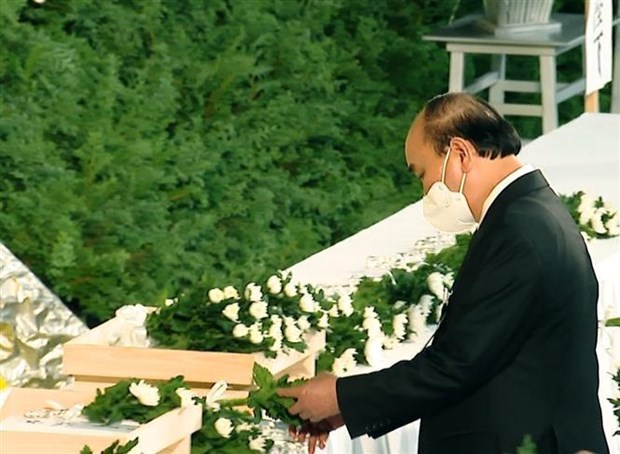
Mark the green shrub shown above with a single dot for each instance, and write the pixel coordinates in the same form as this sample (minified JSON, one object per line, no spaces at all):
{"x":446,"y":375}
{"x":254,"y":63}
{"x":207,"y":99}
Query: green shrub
{"x":149,"y":146}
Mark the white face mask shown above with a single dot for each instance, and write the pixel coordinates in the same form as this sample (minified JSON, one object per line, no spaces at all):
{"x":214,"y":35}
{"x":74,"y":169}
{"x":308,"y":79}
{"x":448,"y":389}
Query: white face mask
{"x":447,"y":210}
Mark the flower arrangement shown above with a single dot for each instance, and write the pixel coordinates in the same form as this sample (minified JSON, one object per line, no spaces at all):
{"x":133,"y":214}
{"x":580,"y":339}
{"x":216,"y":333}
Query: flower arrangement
{"x":595,"y":218}
{"x":224,"y":428}
{"x":138,"y":401}
{"x":267,"y":318}
{"x":616,"y":400}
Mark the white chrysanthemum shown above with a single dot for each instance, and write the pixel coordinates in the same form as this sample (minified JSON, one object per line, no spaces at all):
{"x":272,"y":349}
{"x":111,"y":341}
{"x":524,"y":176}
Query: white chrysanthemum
{"x":333,"y":311}
{"x":597,"y":222}
{"x":253,"y":292}
{"x":323,"y":322}
{"x":400,"y":325}
{"x":216,"y":295}
{"x":258,"y":444}
{"x":274,"y":285}
{"x":290,"y":290}
{"x":146,"y":394}
{"x":244,"y":427}
{"x":224,"y":427}
{"x":389,"y":342}
{"x":277,"y":345}
{"x":587,"y":203}
{"x":187,"y":397}
{"x":240,"y":330}
{"x":303,"y":323}
{"x":258,"y":310}
{"x":256,"y":333}
{"x":275,"y":330}
{"x":417,"y":321}
{"x":435,"y":284}
{"x":426,"y":304}
{"x":232,"y":311}
{"x":345,"y":305}
{"x":170,"y":301}
{"x":373,"y":352}
{"x":307,"y":303}
{"x":231,"y":292}
{"x":613,"y":225}
{"x":448,"y":279}
{"x":292,"y":333}
{"x":370,"y":312}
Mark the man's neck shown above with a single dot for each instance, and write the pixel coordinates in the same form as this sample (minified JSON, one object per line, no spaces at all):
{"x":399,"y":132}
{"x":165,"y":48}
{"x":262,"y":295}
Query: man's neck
{"x":497,"y":170}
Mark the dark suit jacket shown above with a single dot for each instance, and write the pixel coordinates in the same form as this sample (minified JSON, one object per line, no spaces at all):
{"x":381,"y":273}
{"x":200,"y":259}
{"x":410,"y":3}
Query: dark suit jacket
{"x":515,"y":353}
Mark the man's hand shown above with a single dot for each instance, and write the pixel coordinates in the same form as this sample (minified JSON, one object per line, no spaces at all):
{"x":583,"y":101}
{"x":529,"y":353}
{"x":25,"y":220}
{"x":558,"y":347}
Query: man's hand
{"x":316,"y":432}
{"x":316,"y":399}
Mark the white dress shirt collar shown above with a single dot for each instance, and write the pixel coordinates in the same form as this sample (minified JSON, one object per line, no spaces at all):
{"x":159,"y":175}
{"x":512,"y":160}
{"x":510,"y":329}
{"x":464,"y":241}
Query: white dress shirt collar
{"x":503,"y":184}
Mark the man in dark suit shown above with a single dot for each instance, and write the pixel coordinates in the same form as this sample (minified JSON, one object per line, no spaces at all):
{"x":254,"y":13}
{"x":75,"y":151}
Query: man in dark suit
{"x":514,"y":354}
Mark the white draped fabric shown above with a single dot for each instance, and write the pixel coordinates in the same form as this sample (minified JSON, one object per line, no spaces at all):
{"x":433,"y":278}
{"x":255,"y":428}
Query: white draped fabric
{"x":581,"y":155}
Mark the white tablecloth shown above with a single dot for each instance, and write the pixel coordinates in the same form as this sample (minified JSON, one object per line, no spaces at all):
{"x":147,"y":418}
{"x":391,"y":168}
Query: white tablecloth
{"x":581,"y":155}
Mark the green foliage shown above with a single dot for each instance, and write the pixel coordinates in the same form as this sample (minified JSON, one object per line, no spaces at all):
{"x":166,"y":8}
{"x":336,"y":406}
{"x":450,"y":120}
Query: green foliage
{"x":114,"y":448}
{"x":116,"y":403}
{"x":527,"y":446}
{"x":207,"y":440}
{"x":264,"y":398}
{"x":146,"y":147}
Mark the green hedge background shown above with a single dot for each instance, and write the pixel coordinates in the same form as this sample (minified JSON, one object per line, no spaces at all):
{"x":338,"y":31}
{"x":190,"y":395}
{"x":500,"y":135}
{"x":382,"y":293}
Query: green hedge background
{"x":146,"y":146}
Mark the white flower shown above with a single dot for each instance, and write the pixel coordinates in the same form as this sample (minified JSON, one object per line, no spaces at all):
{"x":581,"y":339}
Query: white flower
{"x":369,"y":311}
{"x":40,"y":2}
{"x":333,"y":311}
{"x":417,"y":320}
{"x":586,"y":203}
{"x":215,"y":393}
{"x":277,"y":345}
{"x":240,"y":330}
{"x":292,"y":333}
{"x":216,"y":295}
{"x":232,"y":311}
{"x":373,"y":352}
{"x":345,"y":305}
{"x":253,"y":292}
{"x":258,"y":444}
{"x":448,"y":280}
{"x":389,"y":342}
{"x":256,"y":335}
{"x":597,"y":222}
{"x":231,"y":292}
{"x":169,"y":302}
{"x":224,"y":427}
{"x":400,"y":325}
{"x":426,"y":303}
{"x":146,"y":394}
{"x":258,"y":309}
{"x":435,"y":284}
{"x":274,"y":285}
{"x":344,"y":362}
{"x":613,"y":225}
{"x":187,"y":397}
{"x":244,"y":427}
{"x":323,"y":322}
{"x":585,"y":236}
{"x":275,"y":330}
{"x":307,"y":303}
{"x":290,"y":290}
{"x":303,"y":323}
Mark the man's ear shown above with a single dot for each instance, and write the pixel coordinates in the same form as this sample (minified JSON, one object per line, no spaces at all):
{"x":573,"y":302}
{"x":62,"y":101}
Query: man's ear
{"x":465,"y":151}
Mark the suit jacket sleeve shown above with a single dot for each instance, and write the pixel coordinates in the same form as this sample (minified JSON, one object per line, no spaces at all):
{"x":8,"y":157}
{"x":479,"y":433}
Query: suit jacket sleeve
{"x":489,"y":317}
